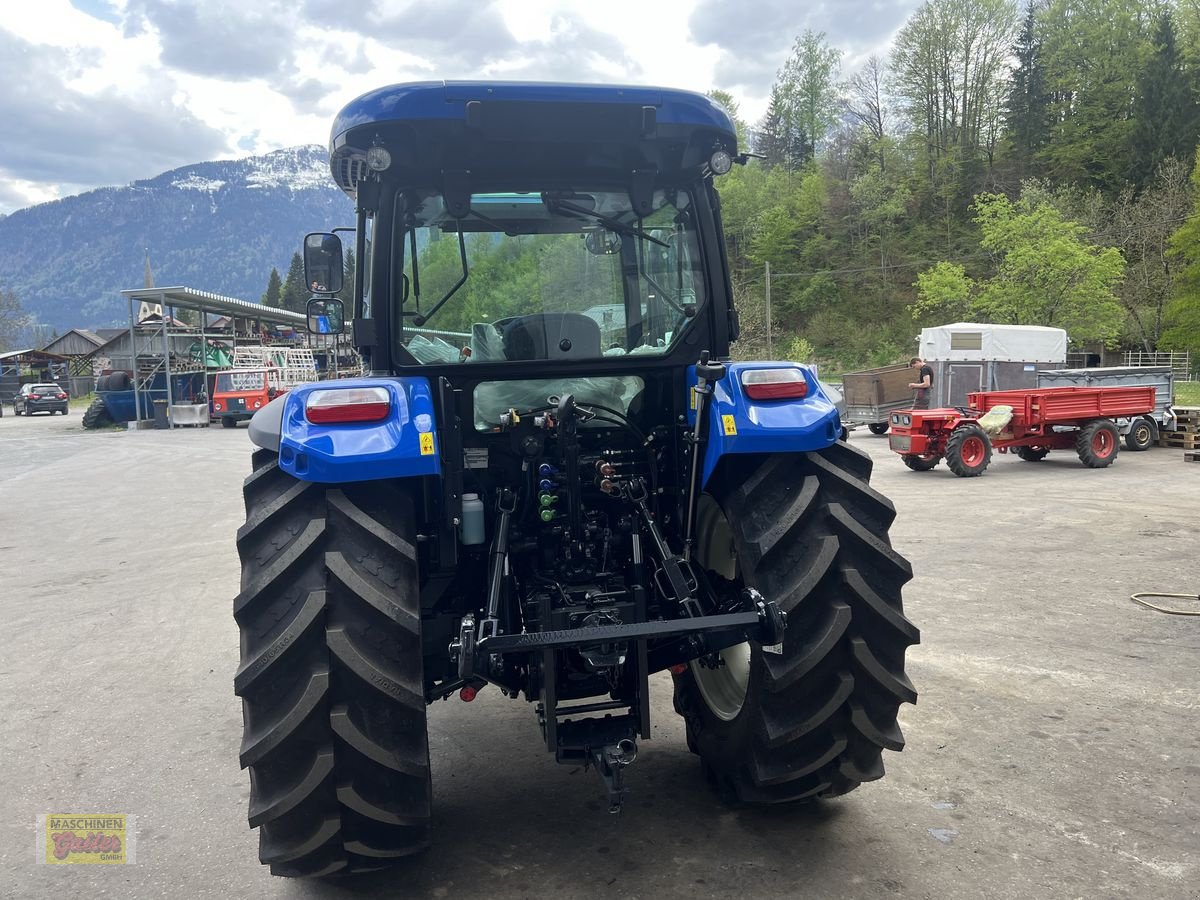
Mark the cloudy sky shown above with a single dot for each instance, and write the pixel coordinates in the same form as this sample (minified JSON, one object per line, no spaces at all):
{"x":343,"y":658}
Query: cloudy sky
{"x":103,"y":92}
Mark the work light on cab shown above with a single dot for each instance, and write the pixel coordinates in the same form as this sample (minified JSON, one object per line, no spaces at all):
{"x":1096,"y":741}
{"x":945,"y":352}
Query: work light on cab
{"x":775,"y":384}
{"x":339,"y":405}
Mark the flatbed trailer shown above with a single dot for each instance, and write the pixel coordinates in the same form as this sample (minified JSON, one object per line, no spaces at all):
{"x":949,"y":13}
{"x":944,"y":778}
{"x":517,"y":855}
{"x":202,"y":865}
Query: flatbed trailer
{"x":1030,"y":422}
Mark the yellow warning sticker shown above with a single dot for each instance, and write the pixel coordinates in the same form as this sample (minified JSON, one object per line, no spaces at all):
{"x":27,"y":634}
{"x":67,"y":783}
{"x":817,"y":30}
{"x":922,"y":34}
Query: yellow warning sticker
{"x":693,"y":393}
{"x":729,"y":424}
{"x":427,"y":443}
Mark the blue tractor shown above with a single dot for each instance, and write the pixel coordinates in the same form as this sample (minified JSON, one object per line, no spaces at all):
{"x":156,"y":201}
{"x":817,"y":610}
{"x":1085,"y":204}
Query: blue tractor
{"x":552,"y":483}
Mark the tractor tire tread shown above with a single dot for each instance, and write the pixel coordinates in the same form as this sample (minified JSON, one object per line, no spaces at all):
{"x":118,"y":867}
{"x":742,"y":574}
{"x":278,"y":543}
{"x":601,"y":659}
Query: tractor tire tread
{"x":818,"y":716}
{"x":331,"y":674}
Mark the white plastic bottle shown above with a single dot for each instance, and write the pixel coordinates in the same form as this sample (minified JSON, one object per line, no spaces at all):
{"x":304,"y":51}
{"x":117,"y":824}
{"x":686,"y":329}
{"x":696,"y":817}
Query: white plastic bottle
{"x":471,"y":530}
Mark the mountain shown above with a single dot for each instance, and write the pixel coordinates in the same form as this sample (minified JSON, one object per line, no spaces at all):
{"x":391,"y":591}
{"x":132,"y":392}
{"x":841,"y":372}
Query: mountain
{"x":216,"y":226}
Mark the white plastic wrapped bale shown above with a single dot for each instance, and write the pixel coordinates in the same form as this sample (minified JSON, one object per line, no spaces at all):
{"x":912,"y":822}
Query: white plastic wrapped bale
{"x":968,"y":341}
{"x":995,"y":420}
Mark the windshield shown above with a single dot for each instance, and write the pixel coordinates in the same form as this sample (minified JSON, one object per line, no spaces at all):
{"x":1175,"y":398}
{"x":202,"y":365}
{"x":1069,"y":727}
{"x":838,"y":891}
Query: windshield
{"x":240,"y":381}
{"x":552,"y":275}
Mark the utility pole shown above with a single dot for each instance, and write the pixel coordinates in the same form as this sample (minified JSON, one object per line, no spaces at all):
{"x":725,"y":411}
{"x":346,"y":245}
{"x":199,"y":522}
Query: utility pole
{"x":767,"y":290}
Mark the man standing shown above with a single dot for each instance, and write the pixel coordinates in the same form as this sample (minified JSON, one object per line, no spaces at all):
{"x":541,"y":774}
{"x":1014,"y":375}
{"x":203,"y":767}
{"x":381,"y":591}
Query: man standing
{"x":924,"y":383}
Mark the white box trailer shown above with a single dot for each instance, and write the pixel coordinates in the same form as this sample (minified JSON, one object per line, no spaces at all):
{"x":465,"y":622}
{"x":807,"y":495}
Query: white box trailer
{"x":973,"y":356}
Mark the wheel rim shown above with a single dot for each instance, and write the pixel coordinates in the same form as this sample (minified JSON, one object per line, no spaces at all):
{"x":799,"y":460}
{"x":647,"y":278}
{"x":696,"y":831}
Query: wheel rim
{"x":1141,"y":434}
{"x":723,"y":689}
{"x":1102,"y":442}
{"x":973,"y":451}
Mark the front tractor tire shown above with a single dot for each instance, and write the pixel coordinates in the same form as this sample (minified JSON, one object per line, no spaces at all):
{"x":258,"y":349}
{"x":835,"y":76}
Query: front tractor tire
{"x":921,"y":462}
{"x":331,"y":676}
{"x":813,"y":720}
{"x":968,"y":451}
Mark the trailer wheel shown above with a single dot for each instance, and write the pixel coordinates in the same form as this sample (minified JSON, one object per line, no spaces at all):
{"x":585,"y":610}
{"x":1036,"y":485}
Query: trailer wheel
{"x":814,"y":719}
{"x":1140,"y":435}
{"x":878,"y":427}
{"x":1096,"y":443}
{"x":968,"y":451}
{"x":331,"y":676}
{"x":1033,"y":454}
{"x":921,"y":463}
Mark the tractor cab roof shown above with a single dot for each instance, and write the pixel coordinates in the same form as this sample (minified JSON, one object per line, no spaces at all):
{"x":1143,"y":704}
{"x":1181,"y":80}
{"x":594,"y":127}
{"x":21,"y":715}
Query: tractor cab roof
{"x":502,"y":132}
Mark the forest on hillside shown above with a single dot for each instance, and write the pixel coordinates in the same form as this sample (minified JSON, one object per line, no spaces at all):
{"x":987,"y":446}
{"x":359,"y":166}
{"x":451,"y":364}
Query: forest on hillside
{"x":1003,"y":163}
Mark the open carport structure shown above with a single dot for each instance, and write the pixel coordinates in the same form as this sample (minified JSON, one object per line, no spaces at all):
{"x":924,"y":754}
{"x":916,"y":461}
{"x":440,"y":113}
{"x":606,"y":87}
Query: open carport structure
{"x":156,"y":336}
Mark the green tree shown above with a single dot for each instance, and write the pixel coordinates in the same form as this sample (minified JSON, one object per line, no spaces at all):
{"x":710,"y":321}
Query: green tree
{"x":1164,"y":109}
{"x":1181,"y":329}
{"x":808,"y":87}
{"x":944,"y":291}
{"x":1027,"y":104}
{"x":1046,"y":273}
{"x":1093,"y":51}
{"x":274,"y":292}
{"x":13,"y":320}
{"x":346,"y":294}
{"x":773,"y":138}
{"x":295,"y":292}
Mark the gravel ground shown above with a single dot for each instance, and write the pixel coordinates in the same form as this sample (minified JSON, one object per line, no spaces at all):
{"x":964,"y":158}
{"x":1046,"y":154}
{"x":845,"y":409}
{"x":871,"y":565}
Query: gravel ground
{"x":1054,"y":751}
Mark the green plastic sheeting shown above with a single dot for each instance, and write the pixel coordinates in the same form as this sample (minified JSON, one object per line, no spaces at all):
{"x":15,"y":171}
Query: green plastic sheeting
{"x":215,"y":357}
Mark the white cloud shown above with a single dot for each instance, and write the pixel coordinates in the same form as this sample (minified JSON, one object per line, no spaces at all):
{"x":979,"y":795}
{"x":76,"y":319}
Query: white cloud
{"x":139,"y":86}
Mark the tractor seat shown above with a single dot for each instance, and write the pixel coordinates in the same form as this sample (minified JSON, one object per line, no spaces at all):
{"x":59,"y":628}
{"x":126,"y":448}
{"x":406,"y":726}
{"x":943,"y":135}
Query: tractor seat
{"x":555,"y":335}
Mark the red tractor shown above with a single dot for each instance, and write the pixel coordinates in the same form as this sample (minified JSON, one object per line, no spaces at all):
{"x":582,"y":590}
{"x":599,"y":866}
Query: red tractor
{"x":1031,"y":422}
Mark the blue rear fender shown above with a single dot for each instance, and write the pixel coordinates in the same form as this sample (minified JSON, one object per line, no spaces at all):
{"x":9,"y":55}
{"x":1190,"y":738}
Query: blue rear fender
{"x":402,"y":445}
{"x":738,"y":424}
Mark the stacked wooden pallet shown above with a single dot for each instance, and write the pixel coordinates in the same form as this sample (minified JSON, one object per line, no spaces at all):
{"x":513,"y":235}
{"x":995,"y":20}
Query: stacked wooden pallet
{"x":1186,"y":435}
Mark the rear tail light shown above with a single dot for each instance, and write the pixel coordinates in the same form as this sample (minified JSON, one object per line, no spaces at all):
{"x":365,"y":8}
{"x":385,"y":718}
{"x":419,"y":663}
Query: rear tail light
{"x":35,"y":396}
{"x":62,"y":396}
{"x":359,"y":404}
{"x":775,"y":384}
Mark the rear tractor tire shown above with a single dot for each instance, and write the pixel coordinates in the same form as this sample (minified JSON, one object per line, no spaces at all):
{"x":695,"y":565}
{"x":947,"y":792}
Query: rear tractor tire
{"x":926,"y":463}
{"x":812,"y":719}
{"x":1097,"y":443}
{"x":878,"y":427}
{"x":96,"y":415}
{"x":331,"y":675}
{"x":968,"y":451}
{"x":1140,"y":435}
{"x":1033,"y":454}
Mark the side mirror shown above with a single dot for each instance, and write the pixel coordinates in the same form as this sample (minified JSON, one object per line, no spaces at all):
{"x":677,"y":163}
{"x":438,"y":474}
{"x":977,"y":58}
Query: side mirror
{"x":323,"y":263}
{"x":326,"y":315}
{"x":601,"y":242}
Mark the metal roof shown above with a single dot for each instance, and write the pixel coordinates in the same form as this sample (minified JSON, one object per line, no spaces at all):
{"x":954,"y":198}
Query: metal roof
{"x":202,"y":301}
{"x":35,"y":354}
